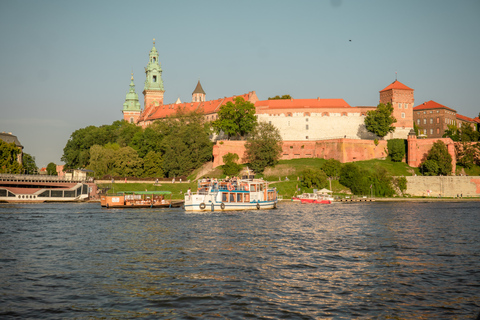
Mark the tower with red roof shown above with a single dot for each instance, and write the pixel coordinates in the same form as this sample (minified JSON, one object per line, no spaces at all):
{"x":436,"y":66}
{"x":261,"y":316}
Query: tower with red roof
{"x":402,"y":100}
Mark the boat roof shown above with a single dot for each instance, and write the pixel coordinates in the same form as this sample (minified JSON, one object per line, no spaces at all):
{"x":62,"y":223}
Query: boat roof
{"x":146,"y":192}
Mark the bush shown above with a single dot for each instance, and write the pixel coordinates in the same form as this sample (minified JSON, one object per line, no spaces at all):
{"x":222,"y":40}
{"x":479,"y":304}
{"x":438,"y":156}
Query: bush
{"x":313,"y":177}
{"x":231,"y":168}
{"x":396,"y":149}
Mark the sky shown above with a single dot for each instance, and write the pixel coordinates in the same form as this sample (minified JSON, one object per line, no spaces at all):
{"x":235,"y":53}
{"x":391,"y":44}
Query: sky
{"x":66,"y":65}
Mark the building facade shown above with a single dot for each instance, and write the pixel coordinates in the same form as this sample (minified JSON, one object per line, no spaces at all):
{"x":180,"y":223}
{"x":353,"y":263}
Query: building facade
{"x":432,"y":119}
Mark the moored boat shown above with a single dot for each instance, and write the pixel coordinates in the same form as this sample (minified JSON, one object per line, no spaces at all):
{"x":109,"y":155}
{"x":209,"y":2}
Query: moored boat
{"x":229,"y":195}
{"x":314,"y":198}
{"x":139,"y":199}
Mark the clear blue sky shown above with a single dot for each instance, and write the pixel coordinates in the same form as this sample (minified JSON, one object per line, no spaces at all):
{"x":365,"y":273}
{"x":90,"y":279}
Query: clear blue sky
{"x":66,"y":65}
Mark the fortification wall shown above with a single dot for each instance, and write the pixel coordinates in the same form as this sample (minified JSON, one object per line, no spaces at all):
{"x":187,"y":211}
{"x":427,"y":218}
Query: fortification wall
{"x":306,"y":126}
{"x":418,"y":150}
{"x":445,"y":186}
{"x":343,"y":150}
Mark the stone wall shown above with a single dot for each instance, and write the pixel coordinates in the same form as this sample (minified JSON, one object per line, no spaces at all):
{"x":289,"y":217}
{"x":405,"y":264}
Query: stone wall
{"x":446,"y":186}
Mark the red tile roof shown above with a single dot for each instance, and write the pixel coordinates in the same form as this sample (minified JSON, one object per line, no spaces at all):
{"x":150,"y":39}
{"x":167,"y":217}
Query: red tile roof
{"x":212,"y":106}
{"x":477,"y":119}
{"x":463,"y":118}
{"x":396,"y":85}
{"x":302,"y":103}
{"x":432,"y":105}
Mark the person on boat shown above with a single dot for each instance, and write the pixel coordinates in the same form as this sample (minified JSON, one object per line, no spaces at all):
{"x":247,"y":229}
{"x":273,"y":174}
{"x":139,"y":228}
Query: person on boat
{"x":189,"y":192}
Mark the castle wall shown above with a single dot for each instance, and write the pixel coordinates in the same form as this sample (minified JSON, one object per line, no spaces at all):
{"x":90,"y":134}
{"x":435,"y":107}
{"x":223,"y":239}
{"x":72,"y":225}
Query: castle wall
{"x":449,"y":186}
{"x":343,"y":150}
{"x":419,"y":148}
{"x":311,"y":126}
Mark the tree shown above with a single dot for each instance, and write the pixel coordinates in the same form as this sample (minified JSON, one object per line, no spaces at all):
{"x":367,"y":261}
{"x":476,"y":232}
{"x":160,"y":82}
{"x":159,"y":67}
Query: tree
{"x":467,"y":134}
{"x":153,"y":165}
{"x":52,"y":169}
{"x":375,"y":181}
{"x":127,"y":163}
{"x":380,"y":121}
{"x":439,"y":161}
{"x":231,"y":167}
{"x":8,"y":158}
{"x":452,"y":132}
{"x":401,"y":184}
{"x":236,"y":118}
{"x":187,"y":144}
{"x":263,"y":147}
{"x":396,"y":149}
{"x":284,"y":97}
{"x":101,"y":160}
{"x":29,"y":165}
{"x":313,"y":177}
{"x":332,"y":168}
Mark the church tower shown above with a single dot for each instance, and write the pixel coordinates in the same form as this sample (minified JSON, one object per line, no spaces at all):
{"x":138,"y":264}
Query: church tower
{"x":198,"y":94}
{"x":153,"y":90}
{"x":131,"y":106}
{"x":401,"y":98}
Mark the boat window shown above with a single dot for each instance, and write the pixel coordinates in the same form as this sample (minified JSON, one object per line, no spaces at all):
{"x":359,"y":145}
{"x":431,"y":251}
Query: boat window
{"x":253,"y":187}
{"x":232,"y":197}
{"x":239,"y":197}
{"x":261,"y":187}
{"x":224,"y":197}
{"x":246,"y":197}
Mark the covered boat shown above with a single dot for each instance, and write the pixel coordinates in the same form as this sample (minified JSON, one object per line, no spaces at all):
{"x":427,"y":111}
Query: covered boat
{"x":228,"y":195}
{"x":139,"y":199}
{"x":313,"y":198}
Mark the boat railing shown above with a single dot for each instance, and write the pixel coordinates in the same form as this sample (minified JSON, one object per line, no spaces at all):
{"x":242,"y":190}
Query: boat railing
{"x":36,"y":177}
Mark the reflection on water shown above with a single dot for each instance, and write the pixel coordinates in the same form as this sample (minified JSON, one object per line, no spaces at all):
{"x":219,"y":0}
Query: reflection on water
{"x":340,"y":261}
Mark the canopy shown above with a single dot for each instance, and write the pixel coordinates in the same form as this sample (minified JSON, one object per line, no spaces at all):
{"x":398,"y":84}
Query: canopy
{"x":324,"y":191}
{"x":146,"y":192}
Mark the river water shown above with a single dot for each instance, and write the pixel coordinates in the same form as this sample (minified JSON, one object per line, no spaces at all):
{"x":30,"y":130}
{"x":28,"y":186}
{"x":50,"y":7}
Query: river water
{"x":339,"y":261}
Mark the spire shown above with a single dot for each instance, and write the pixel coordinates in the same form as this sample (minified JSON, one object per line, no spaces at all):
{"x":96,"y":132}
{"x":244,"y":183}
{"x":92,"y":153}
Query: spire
{"x":198,"y":94}
{"x":198,"y":88}
{"x":153,"y":70}
{"x":131,"y":99}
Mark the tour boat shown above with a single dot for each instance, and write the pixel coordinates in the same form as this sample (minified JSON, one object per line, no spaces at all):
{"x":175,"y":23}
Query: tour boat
{"x":138,"y":199}
{"x":313,"y":198}
{"x":229,"y":195}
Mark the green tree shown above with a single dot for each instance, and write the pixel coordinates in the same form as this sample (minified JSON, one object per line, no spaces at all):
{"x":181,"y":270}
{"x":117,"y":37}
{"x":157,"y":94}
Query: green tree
{"x":102,"y":160}
{"x":236,"y":119}
{"x":263,"y":147}
{"x":153,"y":165}
{"x":375,"y":181}
{"x":467,"y":134}
{"x":52,"y":169}
{"x":314,"y":178}
{"x":29,"y":165}
{"x":438,"y":154}
{"x":127,"y":163}
{"x":150,"y":139}
{"x":187,"y":144}
{"x":8,"y":158}
{"x":452,"y":132}
{"x":231,"y":167}
{"x":396,"y":149}
{"x":416,"y":129}
{"x":380,"y":121}
{"x":284,"y":97}
{"x":332,"y":168}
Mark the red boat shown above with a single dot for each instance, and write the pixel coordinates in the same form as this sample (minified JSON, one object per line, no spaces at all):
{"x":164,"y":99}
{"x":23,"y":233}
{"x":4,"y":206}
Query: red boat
{"x":313,"y":198}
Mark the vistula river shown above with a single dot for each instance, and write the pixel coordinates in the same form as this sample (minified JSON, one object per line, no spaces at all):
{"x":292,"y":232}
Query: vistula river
{"x":339,"y":261}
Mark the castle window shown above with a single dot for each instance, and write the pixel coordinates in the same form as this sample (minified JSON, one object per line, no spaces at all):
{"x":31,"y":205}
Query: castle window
{"x":154,"y":59}
{"x":399,"y":106}
{"x":306,"y":137}
{"x":403,"y":114}
{"x":306,"y":127}
{"x":438,"y":130}
{"x":406,"y":105}
{"x":306,"y":119}
{"x":424,"y":131}
{"x":154,"y":79}
{"x":438,"y":120}
{"x":431,"y":131}
{"x":424,"y":121}
{"x":431,"y":121}
{"x":131,"y":120}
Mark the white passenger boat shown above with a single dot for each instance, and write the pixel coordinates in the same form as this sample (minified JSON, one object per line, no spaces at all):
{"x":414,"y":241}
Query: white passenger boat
{"x":228,"y":195}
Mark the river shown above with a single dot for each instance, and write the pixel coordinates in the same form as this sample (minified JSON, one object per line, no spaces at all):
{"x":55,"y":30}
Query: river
{"x":339,"y":261}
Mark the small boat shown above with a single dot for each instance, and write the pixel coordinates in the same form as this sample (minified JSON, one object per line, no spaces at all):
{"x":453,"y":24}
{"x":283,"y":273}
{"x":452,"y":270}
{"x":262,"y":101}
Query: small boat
{"x":229,"y":195}
{"x":313,"y":198}
{"x":139,"y":199}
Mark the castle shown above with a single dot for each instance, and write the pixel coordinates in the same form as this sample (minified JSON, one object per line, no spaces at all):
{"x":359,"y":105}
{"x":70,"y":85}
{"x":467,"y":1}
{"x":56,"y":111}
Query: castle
{"x":322,"y":128}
